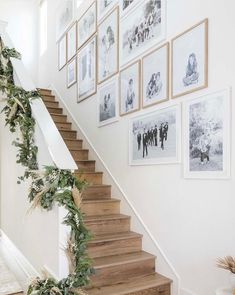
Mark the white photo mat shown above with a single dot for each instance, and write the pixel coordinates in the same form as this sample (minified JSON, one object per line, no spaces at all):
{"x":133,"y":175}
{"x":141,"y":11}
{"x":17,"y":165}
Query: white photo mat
{"x":62,"y":52}
{"x":64,"y":17}
{"x":103,"y":10}
{"x":72,"y":72}
{"x":72,"y":42}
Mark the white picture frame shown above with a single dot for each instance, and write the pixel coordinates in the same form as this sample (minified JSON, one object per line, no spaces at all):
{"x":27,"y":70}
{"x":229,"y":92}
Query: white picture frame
{"x":64,"y":17}
{"x":141,"y":29}
{"x":108,"y":42}
{"x":107,"y":102}
{"x":129,"y":89}
{"x":72,"y":42}
{"x":207,"y":125}
{"x":87,"y":72}
{"x":87,"y":24}
{"x":72,"y":72}
{"x":62,"y":52}
{"x":155,"y":76}
{"x":189,"y":53}
{"x":104,"y":7}
{"x":155,"y":136}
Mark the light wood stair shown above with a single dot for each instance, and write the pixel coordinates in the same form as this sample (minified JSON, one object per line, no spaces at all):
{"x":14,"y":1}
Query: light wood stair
{"x":122,"y":267}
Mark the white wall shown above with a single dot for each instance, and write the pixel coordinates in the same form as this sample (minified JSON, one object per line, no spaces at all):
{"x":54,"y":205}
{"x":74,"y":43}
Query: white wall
{"x":22,"y":18}
{"x":193,"y":220}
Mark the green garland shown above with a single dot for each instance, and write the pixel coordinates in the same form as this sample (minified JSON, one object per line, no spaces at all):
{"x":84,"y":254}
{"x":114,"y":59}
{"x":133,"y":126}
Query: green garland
{"x":49,"y":186}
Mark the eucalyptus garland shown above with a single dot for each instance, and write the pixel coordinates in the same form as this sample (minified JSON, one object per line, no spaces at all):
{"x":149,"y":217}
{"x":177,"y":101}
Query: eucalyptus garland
{"x":50,"y":186}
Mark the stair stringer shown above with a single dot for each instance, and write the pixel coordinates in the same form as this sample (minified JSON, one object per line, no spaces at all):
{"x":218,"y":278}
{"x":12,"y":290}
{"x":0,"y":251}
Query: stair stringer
{"x":150,"y":244}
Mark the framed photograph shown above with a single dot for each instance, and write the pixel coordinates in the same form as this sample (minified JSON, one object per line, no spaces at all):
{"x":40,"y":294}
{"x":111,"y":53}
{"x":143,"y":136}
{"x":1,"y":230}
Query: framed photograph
{"x":142,"y":28}
{"x":155,"y":77}
{"x":72,"y":41}
{"x":126,"y":5}
{"x":129,"y":85}
{"x":87,"y":25}
{"x":104,"y":7}
{"x":87,"y":70}
{"x":108,"y":59}
{"x":154,"y":138}
{"x":108,"y":102}
{"x":190,"y":60}
{"x":207,"y":136}
{"x":64,"y":17}
{"x":62,"y":53}
{"x":72,"y":72}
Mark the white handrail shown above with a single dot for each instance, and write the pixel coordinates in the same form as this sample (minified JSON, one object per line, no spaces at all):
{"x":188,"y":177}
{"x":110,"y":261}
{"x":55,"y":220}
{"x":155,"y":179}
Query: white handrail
{"x":58,"y":150}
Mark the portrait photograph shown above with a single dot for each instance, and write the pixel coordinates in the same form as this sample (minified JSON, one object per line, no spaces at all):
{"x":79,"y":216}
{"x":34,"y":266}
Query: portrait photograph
{"x":87,"y":70}
{"x":104,"y":7}
{"x":108,"y":102}
{"x":129,"y":89}
{"x":72,"y":72}
{"x":64,"y":17}
{"x":190,"y":60}
{"x":87,"y":25}
{"x":108,"y":61}
{"x":142,"y":28}
{"x":155,"y":76}
{"x":72,"y":42}
{"x":154,"y":138}
{"x":207,"y":136}
{"x":62,"y":53}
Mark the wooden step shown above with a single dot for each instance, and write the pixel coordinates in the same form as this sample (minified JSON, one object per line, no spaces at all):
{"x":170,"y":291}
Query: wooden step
{"x":115,"y":244}
{"x":64,"y":125}
{"x":51,"y":104}
{"x":68,"y":134}
{"x":115,"y":223}
{"x":58,"y":118}
{"x":115,"y":269}
{"x":100,"y":207}
{"x":92,"y":178}
{"x":55,"y":110}
{"x":86,"y":166}
{"x":48,"y":97}
{"x":101,"y":191}
{"x":153,"y":284}
{"x":81,"y":154}
{"x":73,"y":143}
{"x":43,"y":91}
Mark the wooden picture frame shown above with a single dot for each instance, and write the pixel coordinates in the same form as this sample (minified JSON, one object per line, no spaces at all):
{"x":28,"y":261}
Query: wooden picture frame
{"x":190,"y":56}
{"x":62,"y":52}
{"x":107,"y":10}
{"x":155,"y":76}
{"x":71,"y":41}
{"x":72,"y":72}
{"x":127,"y":80}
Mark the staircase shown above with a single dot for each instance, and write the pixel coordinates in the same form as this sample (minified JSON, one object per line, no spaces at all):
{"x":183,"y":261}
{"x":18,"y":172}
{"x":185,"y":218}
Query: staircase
{"x":122,"y":267}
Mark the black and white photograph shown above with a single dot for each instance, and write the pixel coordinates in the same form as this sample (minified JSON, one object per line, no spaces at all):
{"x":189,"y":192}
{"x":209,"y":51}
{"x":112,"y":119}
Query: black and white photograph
{"x":104,"y":7}
{"x":155,"y":76}
{"x":108,"y":102}
{"x":108,"y":61}
{"x":72,"y":72}
{"x":129,"y":82}
{"x":87,"y":25}
{"x":207,"y":136}
{"x":72,"y":42}
{"x":190,"y":60}
{"x":87,"y":70}
{"x":62,"y":53}
{"x":154,"y":138}
{"x":126,"y":5}
{"x":64,"y":17}
{"x":142,"y":28}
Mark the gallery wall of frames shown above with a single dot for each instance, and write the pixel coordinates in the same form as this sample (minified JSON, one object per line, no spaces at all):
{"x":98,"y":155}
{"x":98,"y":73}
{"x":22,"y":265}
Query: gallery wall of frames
{"x":118,"y":50}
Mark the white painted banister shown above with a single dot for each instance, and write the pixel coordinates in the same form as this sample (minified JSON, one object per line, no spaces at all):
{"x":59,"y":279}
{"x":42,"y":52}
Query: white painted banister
{"x":58,"y":150}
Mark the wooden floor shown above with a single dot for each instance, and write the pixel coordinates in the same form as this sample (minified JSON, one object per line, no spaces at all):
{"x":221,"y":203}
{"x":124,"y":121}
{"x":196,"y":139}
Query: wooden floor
{"x":122,"y":267}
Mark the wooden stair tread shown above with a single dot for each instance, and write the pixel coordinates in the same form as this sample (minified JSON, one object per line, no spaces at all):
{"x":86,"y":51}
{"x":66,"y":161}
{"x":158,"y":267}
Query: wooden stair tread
{"x":113,"y":200}
{"x":94,"y":218}
{"x":133,"y":285}
{"x":114,"y":237}
{"x":84,"y":161}
{"x":107,"y":261}
{"x":81,"y":173}
{"x":59,"y":115}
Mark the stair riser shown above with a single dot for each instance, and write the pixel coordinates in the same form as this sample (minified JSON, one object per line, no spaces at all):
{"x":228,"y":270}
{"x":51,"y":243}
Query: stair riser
{"x":163,"y":290}
{"x":59,"y":119}
{"x":50,"y":104}
{"x":119,"y":273}
{"x":115,"y":247}
{"x":109,"y":226}
{"x":101,"y":208}
{"x":55,"y":111}
{"x":86,"y":167}
{"x":64,"y":126}
{"x":69,"y":134}
{"x":75,"y":144}
{"x":80,"y":155}
{"x":48,"y":98}
{"x":45,"y":92}
{"x":97,"y":192}
{"x":91,"y":178}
